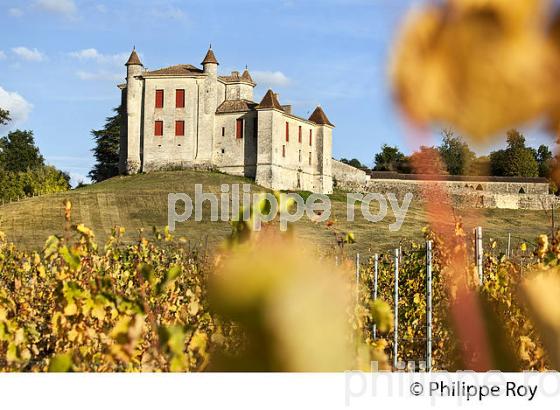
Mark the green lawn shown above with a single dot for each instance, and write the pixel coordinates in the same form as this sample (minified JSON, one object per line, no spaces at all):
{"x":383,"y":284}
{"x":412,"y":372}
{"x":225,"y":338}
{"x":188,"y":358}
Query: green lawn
{"x":140,"y":201}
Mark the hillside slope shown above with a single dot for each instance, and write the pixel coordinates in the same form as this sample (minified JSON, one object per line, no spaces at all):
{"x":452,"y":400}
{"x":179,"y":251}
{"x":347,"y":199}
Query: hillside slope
{"x":140,"y":201}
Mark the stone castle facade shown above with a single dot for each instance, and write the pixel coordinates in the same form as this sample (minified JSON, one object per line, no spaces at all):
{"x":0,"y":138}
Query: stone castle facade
{"x":183,"y":116}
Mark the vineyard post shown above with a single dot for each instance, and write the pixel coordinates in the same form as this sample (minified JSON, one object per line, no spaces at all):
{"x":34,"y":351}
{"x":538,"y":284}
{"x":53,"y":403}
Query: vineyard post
{"x":509,"y":246}
{"x":396,"y":319}
{"x":429,"y":306}
{"x":357,"y":278}
{"x":375,"y":272}
{"x":479,"y":251}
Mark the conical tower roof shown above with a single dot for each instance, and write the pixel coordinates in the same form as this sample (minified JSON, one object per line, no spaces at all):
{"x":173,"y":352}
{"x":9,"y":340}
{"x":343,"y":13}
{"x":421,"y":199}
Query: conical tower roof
{"x":319,"y":117}
{"x":210,"y":57}
{"x":246,"y":76}
{"x":270,"y":101}
{"x":134,"y":59}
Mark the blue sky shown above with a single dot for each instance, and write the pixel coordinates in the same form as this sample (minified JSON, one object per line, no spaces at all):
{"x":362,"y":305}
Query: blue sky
{"x":60,"y":62}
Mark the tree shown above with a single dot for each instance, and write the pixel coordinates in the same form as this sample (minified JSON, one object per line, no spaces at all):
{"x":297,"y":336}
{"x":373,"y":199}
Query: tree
{"x":354,"y":163}
{"x":480,"y":166}
{"x":456,"y":154}
{"x":516,"y":160}
{"x":106,"y":151}
{"x":544,"y":159}
{"x":18,"y":152}
{"x":427,"y":161}
{"x":4,"y":117}
{"x":389,"y":159}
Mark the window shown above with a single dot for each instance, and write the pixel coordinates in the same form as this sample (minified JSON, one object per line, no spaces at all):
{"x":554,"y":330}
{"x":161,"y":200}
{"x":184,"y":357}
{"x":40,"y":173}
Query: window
{"x":158,"y":129}
{"x":180,"y":99}
{"x":179,"y":128}
{"x":310,"y":137}
{"x":287,"y":131}
{"x":283,"y":151}
{"x":159,"y":98}
{"x":299,"y":135}
{"x":300,"y":156}
{"x":310,"y":158}
{"x":239,"y":129}
{"x":223,"y":131}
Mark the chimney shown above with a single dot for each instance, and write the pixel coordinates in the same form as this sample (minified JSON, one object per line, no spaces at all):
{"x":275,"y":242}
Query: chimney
{"x":287,"y":109}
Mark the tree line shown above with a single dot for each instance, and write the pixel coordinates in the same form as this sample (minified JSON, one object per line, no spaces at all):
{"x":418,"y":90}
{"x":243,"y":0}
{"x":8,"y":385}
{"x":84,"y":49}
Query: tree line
{"x":454,"y":157}
{"x":23,"y":171}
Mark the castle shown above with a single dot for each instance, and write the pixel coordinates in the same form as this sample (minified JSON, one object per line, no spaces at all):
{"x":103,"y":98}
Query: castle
{"x":183,"y":116}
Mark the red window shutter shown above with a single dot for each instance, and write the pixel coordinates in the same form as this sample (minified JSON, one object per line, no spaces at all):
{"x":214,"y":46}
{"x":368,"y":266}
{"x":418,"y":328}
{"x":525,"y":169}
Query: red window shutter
{"x":159,"y":98}
{"x":180,"y":128}
{"x":158,"y":131}
{"x":180,"y":97}
{"x":239,"y":129}
{"x":310,"y":137}
{"x":287,"y":131}
{"x":299,"y":135}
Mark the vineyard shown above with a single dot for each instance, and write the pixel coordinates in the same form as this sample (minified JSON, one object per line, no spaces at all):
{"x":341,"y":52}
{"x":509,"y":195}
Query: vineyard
{"x":262,"y":303}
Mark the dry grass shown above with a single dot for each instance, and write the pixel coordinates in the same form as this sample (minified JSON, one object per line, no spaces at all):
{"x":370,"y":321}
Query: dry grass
{"x":140,"y":202}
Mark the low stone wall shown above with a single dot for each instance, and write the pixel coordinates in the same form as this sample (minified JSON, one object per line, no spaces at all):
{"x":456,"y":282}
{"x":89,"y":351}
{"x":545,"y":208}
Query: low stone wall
{"x":345,"y":175}
{"x":512,"y":193}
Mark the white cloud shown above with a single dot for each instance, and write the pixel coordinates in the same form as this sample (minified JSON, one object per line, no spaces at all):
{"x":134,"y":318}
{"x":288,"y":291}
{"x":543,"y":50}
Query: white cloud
{"x":65,"y":7}
{"x":28,"y":54}
{"x":15,"y":12}
{"x":173,"y":13}
{"x":271,"y":79}
{"x":91,"y":54}
{"x":18,"y":106}
{"x":101,"y":75}
{"x":2,"y":55}
{"x":77,"y":178}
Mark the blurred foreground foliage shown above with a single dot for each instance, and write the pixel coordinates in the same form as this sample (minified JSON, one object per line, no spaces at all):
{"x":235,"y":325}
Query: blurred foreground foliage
{"x":263,"y":303}
{"x":480,"y":66}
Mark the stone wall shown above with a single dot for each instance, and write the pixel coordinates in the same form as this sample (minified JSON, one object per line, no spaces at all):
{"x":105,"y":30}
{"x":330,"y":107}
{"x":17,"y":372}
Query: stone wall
{"x":170,"y":150}
{"x":346,"y":175}
{"x":232,"y":155}
{"x":291,"y":163}
{"x":474,"y":192}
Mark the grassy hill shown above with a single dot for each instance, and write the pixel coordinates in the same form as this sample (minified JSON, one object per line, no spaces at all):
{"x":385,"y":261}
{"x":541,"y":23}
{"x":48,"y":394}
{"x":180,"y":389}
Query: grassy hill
{"x":140,"y":201}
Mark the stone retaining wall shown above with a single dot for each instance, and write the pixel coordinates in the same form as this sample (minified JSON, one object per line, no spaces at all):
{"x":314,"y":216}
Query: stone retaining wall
{"x":512,"y":193}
